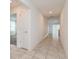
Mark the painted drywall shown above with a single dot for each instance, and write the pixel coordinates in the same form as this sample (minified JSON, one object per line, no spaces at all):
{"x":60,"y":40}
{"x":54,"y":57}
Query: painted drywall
{"x":63,"y":31}
{"x":32,"y":28}
{"x":53,"y":20}
{"x":38,"y":27}
{"x":38,"y":24}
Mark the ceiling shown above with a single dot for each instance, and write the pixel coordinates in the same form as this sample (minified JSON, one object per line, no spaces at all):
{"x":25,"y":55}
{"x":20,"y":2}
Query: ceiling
{"x":47,"y":6}
{"x":14,"y":3}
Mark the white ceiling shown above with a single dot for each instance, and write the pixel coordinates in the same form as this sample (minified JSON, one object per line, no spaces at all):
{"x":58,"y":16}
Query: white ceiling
{"x":45,"y":6}
{"x":14,"y":3}
{"x":49,"y":5}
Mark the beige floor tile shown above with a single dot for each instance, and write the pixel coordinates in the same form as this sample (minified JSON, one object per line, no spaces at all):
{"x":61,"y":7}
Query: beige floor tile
{"x":26,"y":57}
{"x":39,"y":56}
{"x":46,"y":49}
{"x":52,"y":57}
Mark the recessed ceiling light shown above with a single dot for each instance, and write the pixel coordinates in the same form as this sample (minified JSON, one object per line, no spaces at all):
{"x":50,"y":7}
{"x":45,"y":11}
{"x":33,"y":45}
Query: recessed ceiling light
{"x":50,"y":12}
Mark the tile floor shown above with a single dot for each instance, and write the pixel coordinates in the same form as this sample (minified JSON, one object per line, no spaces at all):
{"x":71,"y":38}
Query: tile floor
{"x":47,"y":49}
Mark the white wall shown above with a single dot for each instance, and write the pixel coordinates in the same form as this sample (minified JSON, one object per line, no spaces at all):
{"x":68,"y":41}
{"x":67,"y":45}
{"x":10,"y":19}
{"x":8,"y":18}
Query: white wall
{"x":53,"y":20}
{"x":35,"y":25}
{"x":38,"y":24}
{"x":38,"y":27}
{"x":63,"y":31}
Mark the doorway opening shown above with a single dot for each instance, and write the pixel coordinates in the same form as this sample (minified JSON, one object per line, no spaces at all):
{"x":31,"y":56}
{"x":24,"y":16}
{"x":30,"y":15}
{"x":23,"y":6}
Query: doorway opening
{"x":13,"y":29}
{"x":56,"y":31}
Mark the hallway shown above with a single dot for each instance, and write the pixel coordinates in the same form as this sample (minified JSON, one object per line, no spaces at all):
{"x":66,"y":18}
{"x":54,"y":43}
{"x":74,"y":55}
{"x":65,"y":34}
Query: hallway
{"x":47,"y":49}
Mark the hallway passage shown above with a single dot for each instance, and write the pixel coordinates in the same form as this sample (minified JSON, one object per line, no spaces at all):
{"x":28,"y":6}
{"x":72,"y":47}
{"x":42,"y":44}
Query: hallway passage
{"x":47,"y":49}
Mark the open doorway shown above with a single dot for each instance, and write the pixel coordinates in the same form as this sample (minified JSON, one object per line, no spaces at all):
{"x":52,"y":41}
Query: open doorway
{"x":54,"y":27}
{"x":13,"y":29}
{"x":56,"y":31}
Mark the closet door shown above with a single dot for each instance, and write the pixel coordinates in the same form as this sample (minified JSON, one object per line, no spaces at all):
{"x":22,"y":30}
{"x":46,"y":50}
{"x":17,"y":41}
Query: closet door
{"x":22,"y":29}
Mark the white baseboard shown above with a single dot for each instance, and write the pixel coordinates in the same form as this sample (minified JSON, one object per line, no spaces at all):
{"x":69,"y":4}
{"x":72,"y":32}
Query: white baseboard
{"x":45,"y":36}
{"x":38,"y":43}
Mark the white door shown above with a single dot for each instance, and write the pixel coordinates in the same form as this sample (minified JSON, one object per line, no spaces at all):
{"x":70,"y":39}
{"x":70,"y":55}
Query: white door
{"x":22,"y":29}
